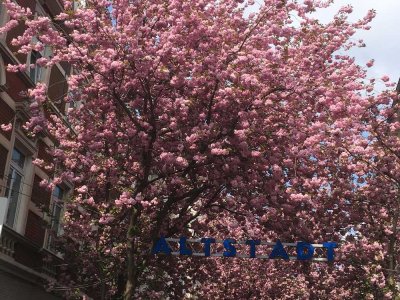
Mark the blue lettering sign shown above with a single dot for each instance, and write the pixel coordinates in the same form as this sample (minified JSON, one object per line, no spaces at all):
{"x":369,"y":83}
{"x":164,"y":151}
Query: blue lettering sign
{"x":252,"y":244}
{"x":161,"y":246}
{"x":230,"y":249}
{"x":305,"y":251}
{"x":183,"y":249}
{"x":278,"y":251}
{"x":330,"y":253}
{"x":207,"y":245}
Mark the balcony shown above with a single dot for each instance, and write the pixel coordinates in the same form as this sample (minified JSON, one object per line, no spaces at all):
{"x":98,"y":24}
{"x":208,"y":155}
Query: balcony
{"x":19,"y":251}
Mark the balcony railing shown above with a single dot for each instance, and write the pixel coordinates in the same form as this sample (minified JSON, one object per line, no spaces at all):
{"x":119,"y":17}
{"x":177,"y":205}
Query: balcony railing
{"x":17,"y":248}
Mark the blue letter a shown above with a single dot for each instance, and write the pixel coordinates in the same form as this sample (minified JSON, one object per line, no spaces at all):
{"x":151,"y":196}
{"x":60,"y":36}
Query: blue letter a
{"x":161,"y":246}
{"x":278,"y":251}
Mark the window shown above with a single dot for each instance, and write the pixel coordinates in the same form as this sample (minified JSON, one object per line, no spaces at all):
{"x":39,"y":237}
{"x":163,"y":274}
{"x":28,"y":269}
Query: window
{"x":74,"y":98}
{"x":18,"y":158}
{"x":14,"y":185}
{"x":35,"y":72}
{"x":58,"y":87}
{"x":79,"y":4}
{"x":57,"y":197}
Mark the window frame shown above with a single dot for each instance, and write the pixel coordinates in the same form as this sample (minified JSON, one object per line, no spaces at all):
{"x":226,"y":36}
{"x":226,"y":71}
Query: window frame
{"x":36,"y":71}
{"x":20,"y":170}
{"x":55,"y":222}
{"x":39,"y":12}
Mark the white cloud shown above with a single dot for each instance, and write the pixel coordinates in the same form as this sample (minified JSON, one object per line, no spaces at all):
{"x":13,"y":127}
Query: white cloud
{"x":382,"y":40}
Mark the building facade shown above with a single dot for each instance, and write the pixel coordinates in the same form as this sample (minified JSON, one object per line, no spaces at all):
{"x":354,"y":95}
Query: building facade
{"x":29,"y":214}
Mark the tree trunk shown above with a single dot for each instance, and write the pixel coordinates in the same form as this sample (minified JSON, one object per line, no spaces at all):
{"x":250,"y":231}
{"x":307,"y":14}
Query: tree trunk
{"x":391,"y":253}
{"x":132,"y":272}
{"x":132,"y":279}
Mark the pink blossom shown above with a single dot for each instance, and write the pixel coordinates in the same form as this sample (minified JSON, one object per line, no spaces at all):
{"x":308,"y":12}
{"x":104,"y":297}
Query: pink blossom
{"x":219,"y":151}
{"x":197,"y":119}
{"x":6,"y":127}
{"x":83,"y":189}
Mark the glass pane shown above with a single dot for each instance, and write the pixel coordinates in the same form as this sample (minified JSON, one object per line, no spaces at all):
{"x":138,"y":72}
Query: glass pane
{"x":35,"y":73}
{"x":56,"y":218}
{"x":58,"y":193}
{"x":13,"y":191}
{"x":55,"y":224}
{"x":18,"y":158}
{"x":32,"y":74}
{"x":33,"y":57}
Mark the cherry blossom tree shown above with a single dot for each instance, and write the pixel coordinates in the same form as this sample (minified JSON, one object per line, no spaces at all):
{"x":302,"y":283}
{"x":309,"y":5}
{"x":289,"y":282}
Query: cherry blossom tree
{"x":197,"y":118}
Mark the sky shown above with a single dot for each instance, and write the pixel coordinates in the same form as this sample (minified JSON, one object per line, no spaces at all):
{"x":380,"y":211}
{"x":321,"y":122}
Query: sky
{"x":382,"y":40}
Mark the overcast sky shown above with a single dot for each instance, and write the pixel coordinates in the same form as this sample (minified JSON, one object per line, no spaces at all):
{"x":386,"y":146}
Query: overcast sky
{"x":383,"y":39}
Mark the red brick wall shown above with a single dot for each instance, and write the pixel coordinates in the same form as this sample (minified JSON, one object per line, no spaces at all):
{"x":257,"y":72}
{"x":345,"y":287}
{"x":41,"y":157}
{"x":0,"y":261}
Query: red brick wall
{"x":35,"y":229}
{"x":16,"y":86}
{"x":6,"y":116}
{"x":19,"y":30}
{"x":14,"y":33}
